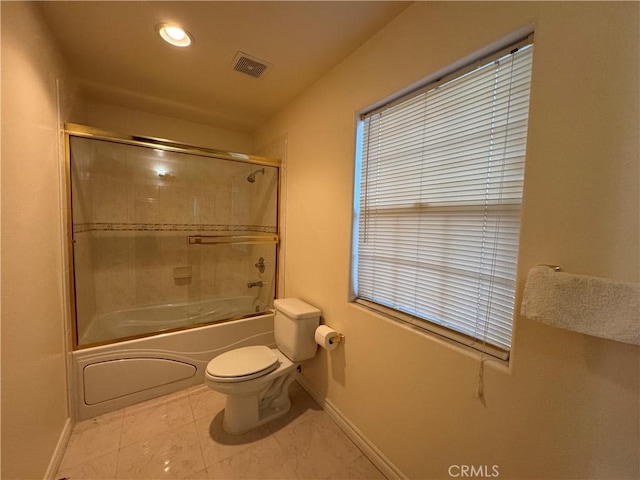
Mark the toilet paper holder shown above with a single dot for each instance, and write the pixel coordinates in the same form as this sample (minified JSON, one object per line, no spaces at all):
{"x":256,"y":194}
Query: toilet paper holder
{"x":327,"y":337}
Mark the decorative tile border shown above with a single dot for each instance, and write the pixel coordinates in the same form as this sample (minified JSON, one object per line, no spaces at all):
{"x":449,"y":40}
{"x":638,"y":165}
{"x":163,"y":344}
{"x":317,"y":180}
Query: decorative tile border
{"x":164,"y":227}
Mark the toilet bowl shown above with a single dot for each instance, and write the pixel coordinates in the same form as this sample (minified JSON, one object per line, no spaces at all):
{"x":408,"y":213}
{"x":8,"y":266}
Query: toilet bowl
{"x":256,"y":379}
{"x":265,"y":388}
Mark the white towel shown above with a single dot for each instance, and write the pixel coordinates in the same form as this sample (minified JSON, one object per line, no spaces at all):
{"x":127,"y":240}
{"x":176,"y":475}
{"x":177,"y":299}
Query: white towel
{"x":595,"y":306}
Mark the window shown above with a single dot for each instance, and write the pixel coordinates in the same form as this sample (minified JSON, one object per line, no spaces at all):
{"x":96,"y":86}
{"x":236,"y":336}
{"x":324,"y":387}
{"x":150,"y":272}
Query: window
{"x":438,"y":201}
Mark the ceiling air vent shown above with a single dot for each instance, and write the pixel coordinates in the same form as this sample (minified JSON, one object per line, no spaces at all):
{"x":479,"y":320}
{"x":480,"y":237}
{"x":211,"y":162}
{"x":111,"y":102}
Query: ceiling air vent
{"x":253,"y":66}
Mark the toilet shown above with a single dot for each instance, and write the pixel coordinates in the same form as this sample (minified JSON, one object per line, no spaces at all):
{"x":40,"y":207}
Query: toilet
{"x":256,"y":379}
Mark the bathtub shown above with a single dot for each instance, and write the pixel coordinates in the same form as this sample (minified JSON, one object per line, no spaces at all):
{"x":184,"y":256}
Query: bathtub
{"x":139,"y":321}
{"x":110,"y":377}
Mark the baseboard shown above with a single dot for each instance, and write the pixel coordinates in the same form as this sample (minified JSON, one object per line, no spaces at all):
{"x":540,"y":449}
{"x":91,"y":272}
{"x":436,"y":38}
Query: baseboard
{"x":58,"y":453}
{"x":372,"y":452}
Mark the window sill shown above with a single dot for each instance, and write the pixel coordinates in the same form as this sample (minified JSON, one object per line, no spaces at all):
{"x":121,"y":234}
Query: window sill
{"x":458,"y":341}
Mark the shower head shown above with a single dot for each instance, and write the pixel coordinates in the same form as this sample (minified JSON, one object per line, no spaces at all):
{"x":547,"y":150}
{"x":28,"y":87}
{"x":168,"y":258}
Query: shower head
{"x":252,"y":176}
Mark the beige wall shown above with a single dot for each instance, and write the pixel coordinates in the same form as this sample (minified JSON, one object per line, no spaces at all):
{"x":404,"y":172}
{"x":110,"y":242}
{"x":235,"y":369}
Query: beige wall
{"x":34,"y":383}
{"x":567,"y":404}
{"x":135,"y":122}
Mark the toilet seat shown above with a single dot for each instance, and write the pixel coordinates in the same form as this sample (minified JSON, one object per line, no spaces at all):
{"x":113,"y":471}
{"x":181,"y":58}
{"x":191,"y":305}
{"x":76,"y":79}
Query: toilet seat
{"x":242,"y":364}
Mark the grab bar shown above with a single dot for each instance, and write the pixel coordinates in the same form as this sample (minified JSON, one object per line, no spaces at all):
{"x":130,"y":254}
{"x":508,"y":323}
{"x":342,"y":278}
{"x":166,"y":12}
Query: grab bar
{"x":237,"y":239}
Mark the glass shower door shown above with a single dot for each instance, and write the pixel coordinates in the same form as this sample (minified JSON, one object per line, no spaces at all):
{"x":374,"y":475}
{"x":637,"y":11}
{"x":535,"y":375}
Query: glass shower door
{"x":166,"y":240}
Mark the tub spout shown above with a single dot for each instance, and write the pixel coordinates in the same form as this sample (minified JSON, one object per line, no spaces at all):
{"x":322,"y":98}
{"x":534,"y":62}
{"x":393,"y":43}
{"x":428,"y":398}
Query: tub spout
{"x":255,"y":284}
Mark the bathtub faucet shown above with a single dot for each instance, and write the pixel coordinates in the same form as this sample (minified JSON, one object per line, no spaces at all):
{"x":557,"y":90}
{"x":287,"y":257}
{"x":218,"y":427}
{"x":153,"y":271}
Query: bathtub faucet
{"x":255,"y":284}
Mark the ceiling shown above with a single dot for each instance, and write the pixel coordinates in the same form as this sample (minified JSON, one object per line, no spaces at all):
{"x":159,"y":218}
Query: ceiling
{"x":113,"y":50}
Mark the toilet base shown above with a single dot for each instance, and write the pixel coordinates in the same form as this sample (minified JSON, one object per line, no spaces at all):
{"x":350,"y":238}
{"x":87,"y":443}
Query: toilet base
{"x":243,"y":413}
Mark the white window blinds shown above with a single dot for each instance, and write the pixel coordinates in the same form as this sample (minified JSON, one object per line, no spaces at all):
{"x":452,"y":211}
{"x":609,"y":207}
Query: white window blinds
{"x":438,"y":199}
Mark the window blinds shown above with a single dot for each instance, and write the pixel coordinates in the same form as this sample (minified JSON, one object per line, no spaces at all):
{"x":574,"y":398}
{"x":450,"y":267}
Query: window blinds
{"x":440,"y":189}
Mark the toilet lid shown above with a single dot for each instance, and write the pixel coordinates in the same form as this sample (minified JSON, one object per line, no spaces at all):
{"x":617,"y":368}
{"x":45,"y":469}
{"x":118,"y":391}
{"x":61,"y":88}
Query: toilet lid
{"x":243,"y":363}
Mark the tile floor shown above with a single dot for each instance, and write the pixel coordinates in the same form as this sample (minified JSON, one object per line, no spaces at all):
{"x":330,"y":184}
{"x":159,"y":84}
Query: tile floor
{"x":180,"y":436}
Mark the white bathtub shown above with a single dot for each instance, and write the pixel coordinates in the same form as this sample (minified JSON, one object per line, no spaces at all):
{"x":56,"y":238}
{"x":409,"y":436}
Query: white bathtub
{"x":110,"y":377}
{"x":138,"y":321}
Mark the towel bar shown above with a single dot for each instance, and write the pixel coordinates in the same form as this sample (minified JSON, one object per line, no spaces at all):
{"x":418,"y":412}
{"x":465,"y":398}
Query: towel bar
{"x":556,"y":268}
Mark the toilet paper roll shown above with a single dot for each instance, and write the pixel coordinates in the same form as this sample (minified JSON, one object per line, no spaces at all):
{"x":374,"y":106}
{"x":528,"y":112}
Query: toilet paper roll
{"x":325,"y":337}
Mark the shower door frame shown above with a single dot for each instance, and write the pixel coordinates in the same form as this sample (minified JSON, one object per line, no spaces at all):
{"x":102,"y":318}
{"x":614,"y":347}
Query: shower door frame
{"x":84,"y":131}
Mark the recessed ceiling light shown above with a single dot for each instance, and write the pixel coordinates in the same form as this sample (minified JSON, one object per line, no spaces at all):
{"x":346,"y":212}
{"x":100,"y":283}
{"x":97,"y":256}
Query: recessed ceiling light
{"x":174,"y":34}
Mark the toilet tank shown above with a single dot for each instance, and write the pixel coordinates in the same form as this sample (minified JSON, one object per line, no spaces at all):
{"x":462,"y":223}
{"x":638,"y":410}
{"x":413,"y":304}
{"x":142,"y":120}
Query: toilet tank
{"x":295,"y":323}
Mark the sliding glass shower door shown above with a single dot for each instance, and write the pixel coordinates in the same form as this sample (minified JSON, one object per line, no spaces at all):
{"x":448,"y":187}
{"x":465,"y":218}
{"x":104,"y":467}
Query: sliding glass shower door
{"x":168,"y":239}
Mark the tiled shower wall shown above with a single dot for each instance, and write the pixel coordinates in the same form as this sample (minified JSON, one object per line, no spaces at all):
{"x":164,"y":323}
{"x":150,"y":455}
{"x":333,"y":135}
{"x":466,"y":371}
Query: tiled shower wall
{"x":277,"y":148}
{"x":133,"y":209}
